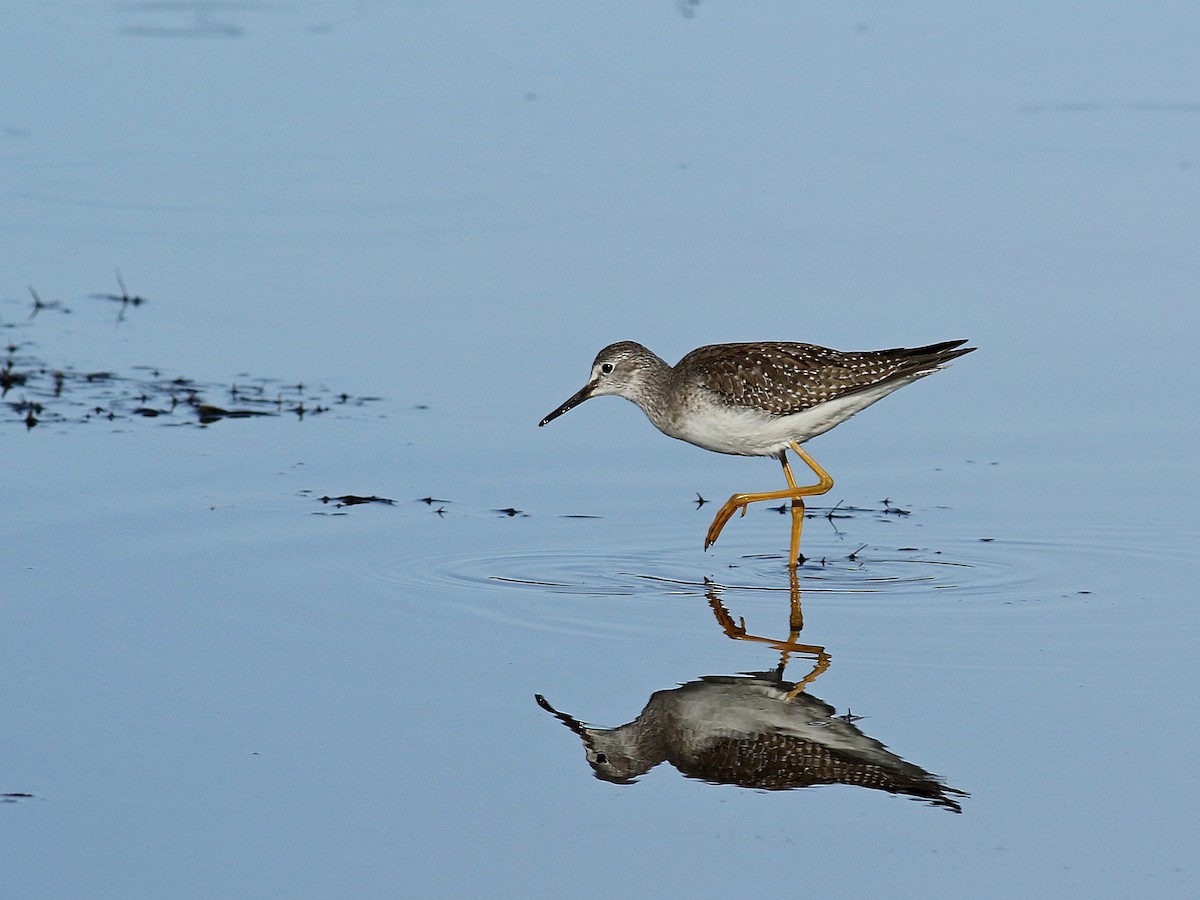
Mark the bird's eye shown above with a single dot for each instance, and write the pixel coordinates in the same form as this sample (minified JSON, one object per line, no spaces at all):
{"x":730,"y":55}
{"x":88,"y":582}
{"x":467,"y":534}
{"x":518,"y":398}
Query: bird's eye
{"x":607,"y":368}
{"x":602,"y":759}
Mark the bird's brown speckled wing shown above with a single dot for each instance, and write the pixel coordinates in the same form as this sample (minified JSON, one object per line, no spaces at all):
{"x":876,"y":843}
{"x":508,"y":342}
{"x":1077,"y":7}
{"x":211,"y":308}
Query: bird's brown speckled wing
{"x":782,"y":378}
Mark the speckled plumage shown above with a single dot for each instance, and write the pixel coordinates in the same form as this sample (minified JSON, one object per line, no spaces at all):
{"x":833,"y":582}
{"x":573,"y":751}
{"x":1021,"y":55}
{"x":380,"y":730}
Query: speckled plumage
{"x":782,"y":378}
{"x":755,"y":733}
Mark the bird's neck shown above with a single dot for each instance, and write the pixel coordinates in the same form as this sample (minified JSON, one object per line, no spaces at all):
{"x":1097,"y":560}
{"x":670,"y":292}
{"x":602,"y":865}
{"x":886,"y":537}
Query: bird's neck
{"x":653,"y":388}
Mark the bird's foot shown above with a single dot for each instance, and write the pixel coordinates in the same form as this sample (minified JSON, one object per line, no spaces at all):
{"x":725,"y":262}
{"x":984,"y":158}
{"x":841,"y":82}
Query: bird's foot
{"x":724,"y":514}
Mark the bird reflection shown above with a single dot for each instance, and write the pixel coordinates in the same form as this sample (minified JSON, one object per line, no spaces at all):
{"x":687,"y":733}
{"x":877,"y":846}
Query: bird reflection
{"x":754,"y":730}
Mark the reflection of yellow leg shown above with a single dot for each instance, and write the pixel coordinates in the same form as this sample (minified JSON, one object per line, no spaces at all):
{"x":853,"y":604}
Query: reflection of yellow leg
{"x":794,"y":493}
{"x":796,"y":616}
{"x":819,"y":667}
{"x":791,"y":645}
{"x":796,"y":622}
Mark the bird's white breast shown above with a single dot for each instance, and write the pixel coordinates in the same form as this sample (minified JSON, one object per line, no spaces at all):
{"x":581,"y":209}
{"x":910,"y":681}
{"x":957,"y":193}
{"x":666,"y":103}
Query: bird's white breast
{"x":714,"y":425}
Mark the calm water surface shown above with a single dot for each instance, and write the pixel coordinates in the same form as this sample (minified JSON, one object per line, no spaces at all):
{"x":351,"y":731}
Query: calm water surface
{"x":388,"y":238}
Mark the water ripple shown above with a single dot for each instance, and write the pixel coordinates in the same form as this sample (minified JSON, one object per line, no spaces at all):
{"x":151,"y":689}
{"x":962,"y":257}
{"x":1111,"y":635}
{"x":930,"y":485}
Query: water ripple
{"x":959,"y":569}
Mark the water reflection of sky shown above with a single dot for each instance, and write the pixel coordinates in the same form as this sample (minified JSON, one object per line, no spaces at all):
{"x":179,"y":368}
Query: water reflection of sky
{"x":217,"y":683}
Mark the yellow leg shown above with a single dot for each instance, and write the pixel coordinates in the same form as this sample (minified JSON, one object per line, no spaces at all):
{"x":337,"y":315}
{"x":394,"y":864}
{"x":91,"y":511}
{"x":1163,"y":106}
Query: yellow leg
{"x":793,"y":493}
{"x":797,"y":523}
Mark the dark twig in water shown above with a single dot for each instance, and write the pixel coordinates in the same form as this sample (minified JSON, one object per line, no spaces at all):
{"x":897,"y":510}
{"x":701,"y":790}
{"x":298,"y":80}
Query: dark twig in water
{"x":124,"y":298}
{"x":9,"y":378}
{"x":39,"y":304}
{"x":355,"y":500}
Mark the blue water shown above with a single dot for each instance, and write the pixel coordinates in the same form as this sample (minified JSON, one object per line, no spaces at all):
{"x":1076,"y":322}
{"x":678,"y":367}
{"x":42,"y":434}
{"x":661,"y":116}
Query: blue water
{"x":421,"y":221}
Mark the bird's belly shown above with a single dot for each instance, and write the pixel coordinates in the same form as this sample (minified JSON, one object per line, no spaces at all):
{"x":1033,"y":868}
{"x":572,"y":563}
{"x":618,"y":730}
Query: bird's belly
{"x":750,"y":432}
{"x":738,"y":431}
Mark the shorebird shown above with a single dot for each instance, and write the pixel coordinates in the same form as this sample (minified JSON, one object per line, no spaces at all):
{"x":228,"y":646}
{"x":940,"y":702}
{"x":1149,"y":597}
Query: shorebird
{"x":757,"y":399}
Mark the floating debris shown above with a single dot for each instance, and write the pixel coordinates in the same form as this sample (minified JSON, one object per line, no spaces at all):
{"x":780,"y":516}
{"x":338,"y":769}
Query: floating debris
{"x":356,"y":500}
{"x":35,"y":391}
{"x":39,"y":304}
{"x":209,"y":413}
{"x":30,"y":387}
{"x":10,"y":379}
{"x":124,"y":298}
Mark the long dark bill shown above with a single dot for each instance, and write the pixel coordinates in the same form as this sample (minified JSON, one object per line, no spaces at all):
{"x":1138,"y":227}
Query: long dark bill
{"x":570,"y":721}
{"x":573,"y":401}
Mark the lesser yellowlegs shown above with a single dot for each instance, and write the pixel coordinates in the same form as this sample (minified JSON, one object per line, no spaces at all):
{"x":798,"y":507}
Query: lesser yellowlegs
{"x":753,"y":731}
{"x":757,"y":399}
